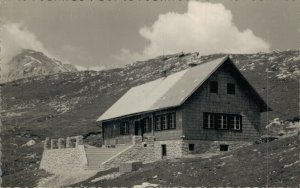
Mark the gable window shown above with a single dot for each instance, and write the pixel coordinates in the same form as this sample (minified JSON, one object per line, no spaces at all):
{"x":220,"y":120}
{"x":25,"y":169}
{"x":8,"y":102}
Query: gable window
{"x":230,"y":89}
{"x":125,"y":128}
{"x":213,"y":87}
{"x":222,"y":121}
{"x":158,"y":123}
{"x":147,"y":123}
{"x":209,"y":120}
{"x":235,"y":122}
{"x":172,"y":121}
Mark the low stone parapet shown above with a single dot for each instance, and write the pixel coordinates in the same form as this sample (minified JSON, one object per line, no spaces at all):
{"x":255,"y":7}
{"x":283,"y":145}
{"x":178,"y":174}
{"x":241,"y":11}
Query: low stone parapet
{"x":62,"y":143}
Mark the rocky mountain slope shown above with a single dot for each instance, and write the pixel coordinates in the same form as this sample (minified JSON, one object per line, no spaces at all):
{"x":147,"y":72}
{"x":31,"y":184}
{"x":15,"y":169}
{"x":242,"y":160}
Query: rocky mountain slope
{"x":68,"y":103}
{"x":31,"y":63}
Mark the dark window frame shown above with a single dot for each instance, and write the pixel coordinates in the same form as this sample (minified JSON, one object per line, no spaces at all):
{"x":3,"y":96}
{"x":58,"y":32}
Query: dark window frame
{"x":164,"y":122}
{"x":224,"y":147}
{"x":191,"y":147}
{"x":230,"y":88}
{"x":213,"y":87}
{"x":124,"y":130}
{"x":171,"y":116}
{"x":210,"y":118}
{"x":240,"y":118}
{"x":219,"y":125}
{"x":229,"y":117}
{"x":157,"y":126}
{"x":165,"y":125}
{"x":147,"y":125}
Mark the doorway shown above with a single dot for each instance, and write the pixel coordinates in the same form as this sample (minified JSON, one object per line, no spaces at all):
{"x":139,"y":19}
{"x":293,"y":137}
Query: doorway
{"x":163,"y":150}
{"x":136,"y":128}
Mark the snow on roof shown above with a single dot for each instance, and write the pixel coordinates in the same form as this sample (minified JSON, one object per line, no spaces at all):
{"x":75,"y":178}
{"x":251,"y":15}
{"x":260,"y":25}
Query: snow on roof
{"x":162,"y":93}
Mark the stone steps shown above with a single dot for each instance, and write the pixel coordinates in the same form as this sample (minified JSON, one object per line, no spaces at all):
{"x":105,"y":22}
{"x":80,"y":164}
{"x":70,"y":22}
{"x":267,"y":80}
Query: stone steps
{"x":96,"y":156}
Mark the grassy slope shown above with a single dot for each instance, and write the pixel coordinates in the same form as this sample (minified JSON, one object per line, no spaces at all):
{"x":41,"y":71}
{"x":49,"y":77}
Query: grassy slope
{"x":67,"y":104}
{"x":248,"y":166}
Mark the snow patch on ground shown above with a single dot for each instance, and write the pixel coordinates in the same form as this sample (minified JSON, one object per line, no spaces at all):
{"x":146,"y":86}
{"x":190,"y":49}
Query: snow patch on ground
{"x":226,"y":157}
{"x":274,"y":122}
{"x":289,"y":165}
{"x":107,"y":177}
{"x":146,"y":185}
{"x":13,"y":114}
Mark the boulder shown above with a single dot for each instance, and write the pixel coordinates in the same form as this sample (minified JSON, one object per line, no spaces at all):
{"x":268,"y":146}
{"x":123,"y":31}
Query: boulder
{"x":29,"y":143}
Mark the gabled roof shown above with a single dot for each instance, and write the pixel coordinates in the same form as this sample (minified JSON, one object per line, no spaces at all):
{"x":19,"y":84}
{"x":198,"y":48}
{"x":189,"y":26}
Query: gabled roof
{"x":166,"y":92}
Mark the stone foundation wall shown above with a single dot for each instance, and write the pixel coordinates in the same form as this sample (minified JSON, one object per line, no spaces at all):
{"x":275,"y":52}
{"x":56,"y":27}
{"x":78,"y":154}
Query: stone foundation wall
{"x":61,"y":156}
{"x":203,"y":146}
{"x":174,"y":149}
{"x":150,"y":150}
{"x":69,"y":155}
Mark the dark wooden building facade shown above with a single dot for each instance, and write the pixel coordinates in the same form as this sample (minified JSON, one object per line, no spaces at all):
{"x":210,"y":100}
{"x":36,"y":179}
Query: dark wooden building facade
{"x":209,"y":102}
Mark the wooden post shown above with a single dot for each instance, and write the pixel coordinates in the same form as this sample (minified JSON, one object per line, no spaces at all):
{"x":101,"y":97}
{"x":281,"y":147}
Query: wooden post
{"x":68,"y":142}
{"x":54,"y":144}
{"x":79,"y":140}
{"x":61,"y":143}
{"x":47,"y":144}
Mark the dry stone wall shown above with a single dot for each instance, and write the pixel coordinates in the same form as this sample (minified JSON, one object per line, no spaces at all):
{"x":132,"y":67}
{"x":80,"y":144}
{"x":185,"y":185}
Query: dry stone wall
{"x":59,"y":156}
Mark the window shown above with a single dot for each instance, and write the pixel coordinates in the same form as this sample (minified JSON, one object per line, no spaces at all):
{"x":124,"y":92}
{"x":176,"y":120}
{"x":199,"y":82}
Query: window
{"x":125,"y":128}
{"x":235,"y":122}
{"x":158,"y":123}
{"x":230,"y":89}
{"x":172,"y":121}
{"x":222,"y":121}
{"x":223,"y":147}
{"x":147,"y":124}
{"x":164,"y":150}
{"x":213,"y":87}
{"x":191,"y":147}
{"x":209,"y":121}
{"x":164,"y":123}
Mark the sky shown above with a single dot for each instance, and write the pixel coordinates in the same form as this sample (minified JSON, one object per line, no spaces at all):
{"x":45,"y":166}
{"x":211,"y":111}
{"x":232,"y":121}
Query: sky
{"x":93,"y":34}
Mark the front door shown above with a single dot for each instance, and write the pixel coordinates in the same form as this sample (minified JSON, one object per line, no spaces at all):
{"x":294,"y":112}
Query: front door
{"x":136,"y":128}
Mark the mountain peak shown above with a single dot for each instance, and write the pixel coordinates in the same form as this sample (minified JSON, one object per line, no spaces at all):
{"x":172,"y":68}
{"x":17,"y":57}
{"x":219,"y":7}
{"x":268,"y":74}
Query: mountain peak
{"x":30,"y":63}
